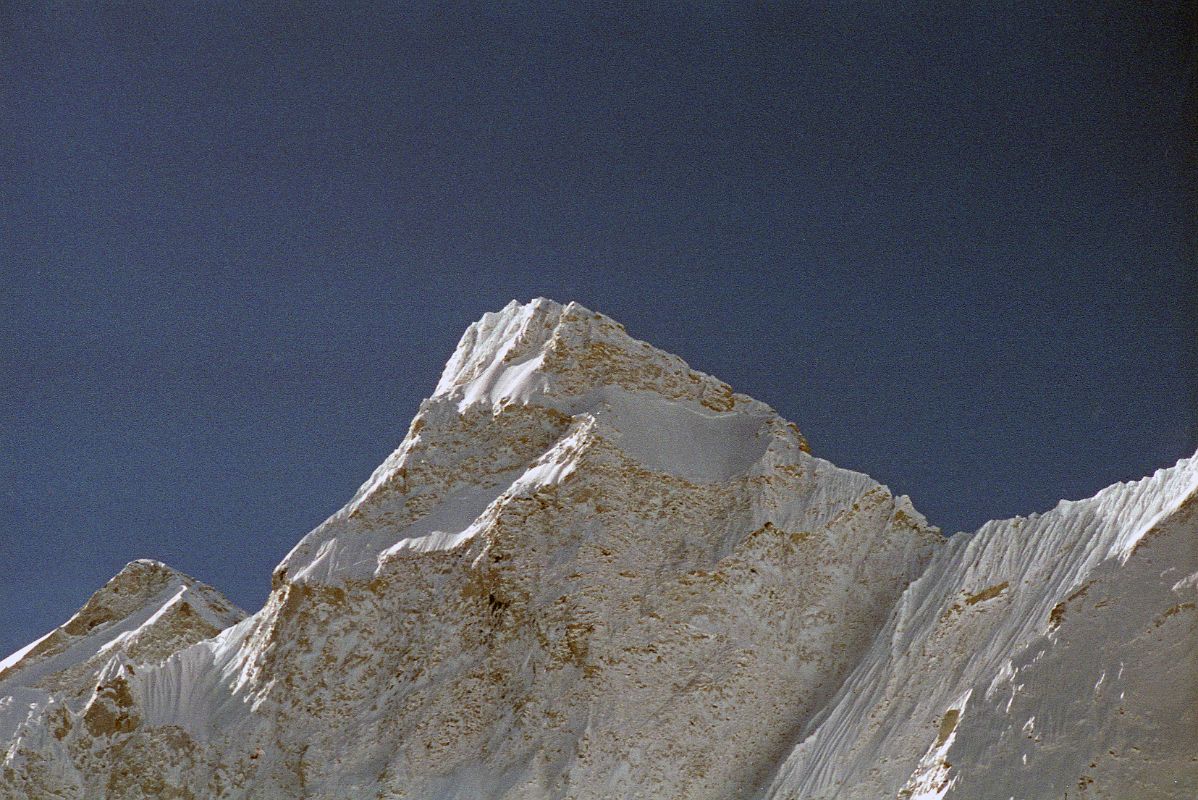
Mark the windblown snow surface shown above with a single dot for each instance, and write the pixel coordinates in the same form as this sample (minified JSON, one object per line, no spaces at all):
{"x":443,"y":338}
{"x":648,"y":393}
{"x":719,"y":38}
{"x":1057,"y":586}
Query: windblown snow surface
{"x":589,"y":571}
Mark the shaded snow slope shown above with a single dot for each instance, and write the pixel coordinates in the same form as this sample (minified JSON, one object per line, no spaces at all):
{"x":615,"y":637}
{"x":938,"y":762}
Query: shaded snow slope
{"x":1041,"y":657}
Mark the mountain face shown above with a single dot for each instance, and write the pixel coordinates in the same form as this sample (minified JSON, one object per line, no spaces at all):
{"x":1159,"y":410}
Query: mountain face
{"x":1045,"y":657}
{"x":71,"y":685}
{"x":589,"y":571}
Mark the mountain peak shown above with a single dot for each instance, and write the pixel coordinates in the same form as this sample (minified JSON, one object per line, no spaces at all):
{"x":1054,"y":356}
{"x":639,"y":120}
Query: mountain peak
{"x":515,"y":332}
{"x":563,"y":356}
{"x":146,"y":611}
{"x":527,"y":392}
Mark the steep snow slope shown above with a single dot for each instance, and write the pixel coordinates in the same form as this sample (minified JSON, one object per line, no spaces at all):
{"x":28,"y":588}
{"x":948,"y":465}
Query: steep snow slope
{"x":588,"y":571}
{"x":1045,"y":657}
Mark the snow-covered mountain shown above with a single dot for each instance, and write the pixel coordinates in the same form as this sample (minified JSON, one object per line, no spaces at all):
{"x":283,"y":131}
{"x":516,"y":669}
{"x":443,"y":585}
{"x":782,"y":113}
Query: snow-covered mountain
{"x":589,"y":571}
{"x":73,"y":676}
{"x":1051,"y":656}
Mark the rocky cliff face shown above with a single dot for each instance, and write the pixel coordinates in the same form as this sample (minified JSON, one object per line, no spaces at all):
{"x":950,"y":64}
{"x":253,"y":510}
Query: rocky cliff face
{"x":589,"y":571}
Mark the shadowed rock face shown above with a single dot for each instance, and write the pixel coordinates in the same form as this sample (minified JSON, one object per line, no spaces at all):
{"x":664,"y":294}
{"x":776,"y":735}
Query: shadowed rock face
{"x":588,"y":571}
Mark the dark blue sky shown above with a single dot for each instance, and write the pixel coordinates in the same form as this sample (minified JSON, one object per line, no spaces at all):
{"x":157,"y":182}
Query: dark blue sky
{"x":238,"y":241}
